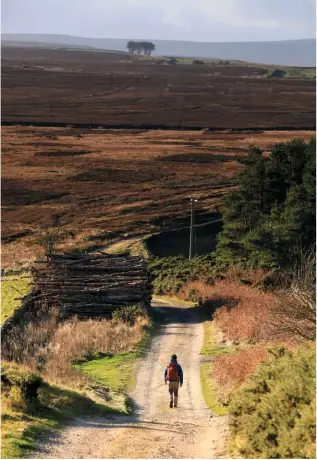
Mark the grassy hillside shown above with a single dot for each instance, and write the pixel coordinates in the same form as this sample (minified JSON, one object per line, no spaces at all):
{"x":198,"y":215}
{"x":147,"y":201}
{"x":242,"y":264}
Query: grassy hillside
{"x":290,"y":52}
{"x":11,"y":289}
{"x":31,"y":406}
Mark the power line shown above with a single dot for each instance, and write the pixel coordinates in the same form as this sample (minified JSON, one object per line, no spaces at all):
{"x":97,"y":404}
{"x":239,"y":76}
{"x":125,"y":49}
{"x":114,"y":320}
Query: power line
{"x":191,"y":233}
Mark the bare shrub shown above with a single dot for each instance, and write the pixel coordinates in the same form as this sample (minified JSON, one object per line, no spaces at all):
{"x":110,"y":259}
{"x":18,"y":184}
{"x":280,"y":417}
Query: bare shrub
{"x":52,"y":236}
{"x":231,"y":371}
{"x":248,"y":319}
{"x":27,"y":343}
{"x":235,"y":273}
{"x":294,"y":312}
{"x":245,"y":313}
{"x":240,"y":311}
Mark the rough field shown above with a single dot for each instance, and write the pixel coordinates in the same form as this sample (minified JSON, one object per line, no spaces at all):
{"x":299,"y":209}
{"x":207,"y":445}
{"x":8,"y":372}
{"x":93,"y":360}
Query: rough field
{"x":107,"y":183}
{"x":115,"y":88}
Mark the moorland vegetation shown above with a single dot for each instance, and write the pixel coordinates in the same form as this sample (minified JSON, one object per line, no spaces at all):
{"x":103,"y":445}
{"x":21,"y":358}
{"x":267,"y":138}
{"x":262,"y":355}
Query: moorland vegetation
{"x":258,"y":291}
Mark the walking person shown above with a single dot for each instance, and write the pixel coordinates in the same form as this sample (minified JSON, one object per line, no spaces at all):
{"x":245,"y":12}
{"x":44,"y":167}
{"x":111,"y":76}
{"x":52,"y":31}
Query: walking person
{"x":173,"y":375}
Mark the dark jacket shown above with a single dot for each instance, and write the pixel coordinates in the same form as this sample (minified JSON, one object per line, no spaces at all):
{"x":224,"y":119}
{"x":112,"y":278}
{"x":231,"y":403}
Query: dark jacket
{"x":180,"y":372}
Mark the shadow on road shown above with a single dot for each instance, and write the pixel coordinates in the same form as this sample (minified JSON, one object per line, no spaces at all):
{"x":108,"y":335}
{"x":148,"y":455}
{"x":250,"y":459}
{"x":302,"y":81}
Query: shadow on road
{"x":167,"y":315}
{"x":123,"y":422}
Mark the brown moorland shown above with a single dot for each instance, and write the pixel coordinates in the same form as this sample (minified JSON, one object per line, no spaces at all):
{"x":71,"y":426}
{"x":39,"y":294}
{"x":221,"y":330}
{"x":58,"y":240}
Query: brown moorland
{"x":120,"y":181}
{"x":94,"y":87}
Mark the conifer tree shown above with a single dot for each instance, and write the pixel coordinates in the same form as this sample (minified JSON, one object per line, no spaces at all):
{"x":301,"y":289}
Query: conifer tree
{"x":273,"y":209}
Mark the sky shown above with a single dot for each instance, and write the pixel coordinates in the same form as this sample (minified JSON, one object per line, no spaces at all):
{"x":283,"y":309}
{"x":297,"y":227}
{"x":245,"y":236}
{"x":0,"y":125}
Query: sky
{"x":193,"y":20}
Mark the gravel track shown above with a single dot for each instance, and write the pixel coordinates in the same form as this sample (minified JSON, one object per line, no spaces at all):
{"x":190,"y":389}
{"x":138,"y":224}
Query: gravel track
{"x":154,"y":430}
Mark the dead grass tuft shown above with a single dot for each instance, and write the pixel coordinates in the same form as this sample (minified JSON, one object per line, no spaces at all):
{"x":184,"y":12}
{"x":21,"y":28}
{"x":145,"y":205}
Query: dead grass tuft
{"x":50,"y":347}
{"x":75,"y":340}
{"x":27,"y":343}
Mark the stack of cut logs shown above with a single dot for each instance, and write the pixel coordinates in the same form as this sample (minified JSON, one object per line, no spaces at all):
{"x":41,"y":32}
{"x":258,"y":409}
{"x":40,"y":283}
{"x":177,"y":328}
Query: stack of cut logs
{"x":92,"y":285}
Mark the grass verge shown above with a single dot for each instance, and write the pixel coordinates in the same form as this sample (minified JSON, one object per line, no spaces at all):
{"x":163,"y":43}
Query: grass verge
{"x":209,"y":390}
{"x":21,"y":430}
{"x":25,"y":419}
{"x":210,"y":346}
{"x":118,"y":371}
{"x":211,"y":349}
{"x":112,"y":371}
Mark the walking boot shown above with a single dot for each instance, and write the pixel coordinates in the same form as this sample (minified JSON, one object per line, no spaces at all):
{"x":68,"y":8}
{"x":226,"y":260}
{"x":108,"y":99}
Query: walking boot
{"x":171,"y":403}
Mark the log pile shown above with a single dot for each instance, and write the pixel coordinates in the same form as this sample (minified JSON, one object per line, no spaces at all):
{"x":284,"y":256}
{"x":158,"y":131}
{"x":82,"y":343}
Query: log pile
{"x":92,"y":285}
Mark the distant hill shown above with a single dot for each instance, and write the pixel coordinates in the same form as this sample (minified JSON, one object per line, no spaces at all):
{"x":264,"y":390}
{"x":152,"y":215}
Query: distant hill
{"x":21,"y":43}
{"x":300,"y":53}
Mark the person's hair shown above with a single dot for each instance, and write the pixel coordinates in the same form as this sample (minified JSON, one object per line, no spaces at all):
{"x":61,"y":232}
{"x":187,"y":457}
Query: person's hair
{"x":174,"y":357}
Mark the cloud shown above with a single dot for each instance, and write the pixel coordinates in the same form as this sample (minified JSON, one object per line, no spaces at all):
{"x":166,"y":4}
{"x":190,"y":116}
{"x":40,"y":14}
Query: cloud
{"x":199,"y":20}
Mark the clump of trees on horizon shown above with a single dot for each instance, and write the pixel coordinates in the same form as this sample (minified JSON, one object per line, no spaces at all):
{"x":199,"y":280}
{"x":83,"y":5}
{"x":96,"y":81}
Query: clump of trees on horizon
{"x":141,"y":47}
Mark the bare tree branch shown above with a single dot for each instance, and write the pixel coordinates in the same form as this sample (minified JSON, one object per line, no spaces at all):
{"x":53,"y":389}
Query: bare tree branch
{"x":294,"y":313}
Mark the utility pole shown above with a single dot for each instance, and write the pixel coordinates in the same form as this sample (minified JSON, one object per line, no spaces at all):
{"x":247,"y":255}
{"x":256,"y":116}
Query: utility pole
{"x":191,"y":235}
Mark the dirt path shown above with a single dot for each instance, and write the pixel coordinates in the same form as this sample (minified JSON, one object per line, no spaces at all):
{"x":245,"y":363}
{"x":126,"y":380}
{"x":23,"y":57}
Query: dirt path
{"x":155,"y":430}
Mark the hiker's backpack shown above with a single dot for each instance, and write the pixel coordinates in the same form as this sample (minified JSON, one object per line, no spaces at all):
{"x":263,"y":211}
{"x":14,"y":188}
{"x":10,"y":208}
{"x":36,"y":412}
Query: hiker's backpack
{"x":172,"y":372}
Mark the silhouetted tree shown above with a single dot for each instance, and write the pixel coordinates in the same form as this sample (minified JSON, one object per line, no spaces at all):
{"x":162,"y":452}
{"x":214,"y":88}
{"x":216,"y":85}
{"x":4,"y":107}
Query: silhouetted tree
{"x":131,"y":46}
{"x":140,"y":47}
